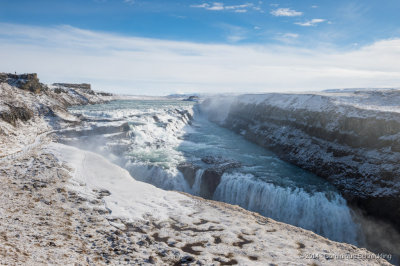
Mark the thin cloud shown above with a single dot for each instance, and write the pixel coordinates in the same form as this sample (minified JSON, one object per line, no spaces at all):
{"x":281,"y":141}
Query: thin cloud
{"x":129,"y":2}
{"x":288,"y":38}
{"x":205,"y":5}
{"x":238,"y":6}
{"x":234,"y":33}
{"x":134,"y":65}
{"x":216,"y":6}
{"x":286,"y":12}
{"x":310,"y":23}
{"x":219,"y":6}
{"x":291,"y":35}
{"x":236,"y":38}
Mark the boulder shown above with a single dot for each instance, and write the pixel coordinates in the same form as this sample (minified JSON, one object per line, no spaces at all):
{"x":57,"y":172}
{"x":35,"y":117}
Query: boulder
{"x":16,"y":113}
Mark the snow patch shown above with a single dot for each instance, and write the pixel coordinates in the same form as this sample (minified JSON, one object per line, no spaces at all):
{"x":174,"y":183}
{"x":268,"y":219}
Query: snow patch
{"x":129,"y":198}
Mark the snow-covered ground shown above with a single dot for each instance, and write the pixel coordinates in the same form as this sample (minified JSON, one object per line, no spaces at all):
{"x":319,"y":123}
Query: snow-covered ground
{"x":129,"y":198}
{"x":62,"y":205}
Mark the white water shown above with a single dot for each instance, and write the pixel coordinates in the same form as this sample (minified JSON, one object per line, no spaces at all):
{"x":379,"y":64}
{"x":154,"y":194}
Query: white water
{"x":195,"y":190}
{"x":328,"y":217}
{"x":156,"y":175}
{"x":263,"y":183}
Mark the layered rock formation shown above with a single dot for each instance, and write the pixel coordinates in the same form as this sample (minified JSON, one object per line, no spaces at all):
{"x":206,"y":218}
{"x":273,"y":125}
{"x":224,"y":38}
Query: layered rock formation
{"x":352,"y":139}
{"x":29,"y":82}
{"x":84,"y":86}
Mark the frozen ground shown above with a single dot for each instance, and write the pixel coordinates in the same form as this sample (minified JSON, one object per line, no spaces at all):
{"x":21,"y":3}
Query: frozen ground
{"x":61,"y":205}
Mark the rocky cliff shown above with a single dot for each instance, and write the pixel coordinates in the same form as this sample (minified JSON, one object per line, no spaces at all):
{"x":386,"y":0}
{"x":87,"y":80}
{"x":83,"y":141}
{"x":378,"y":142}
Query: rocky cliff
{"x":22,"y":104}
{"x":25,"y":102}
{"x":82,"y":86}
{"x":29,"y":82}
{"x":352,"y":139}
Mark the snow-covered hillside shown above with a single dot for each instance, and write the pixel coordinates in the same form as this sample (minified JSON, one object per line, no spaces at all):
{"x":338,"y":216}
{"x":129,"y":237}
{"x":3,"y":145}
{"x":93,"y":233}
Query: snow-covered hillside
{"x":38,"y":112}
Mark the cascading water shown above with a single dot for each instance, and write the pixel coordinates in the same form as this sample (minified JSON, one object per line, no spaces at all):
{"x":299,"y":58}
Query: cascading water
{"x":156,"y":175}
{"x":325,"y":214}
{"x":195,"y":190}
{"x":161,"y":139}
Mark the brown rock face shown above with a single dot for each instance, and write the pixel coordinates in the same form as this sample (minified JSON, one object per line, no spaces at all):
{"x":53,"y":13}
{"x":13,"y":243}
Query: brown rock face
{"x":210,"y":181}
{"x":211,"y":177}
{"x":16,"y":113}
{"x":29,"y":82}
{"x":189,"y":172}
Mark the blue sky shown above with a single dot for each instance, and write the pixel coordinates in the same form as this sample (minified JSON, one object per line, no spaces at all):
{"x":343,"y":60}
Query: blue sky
{"x":340,"y":22}
{"x":294,"y":36}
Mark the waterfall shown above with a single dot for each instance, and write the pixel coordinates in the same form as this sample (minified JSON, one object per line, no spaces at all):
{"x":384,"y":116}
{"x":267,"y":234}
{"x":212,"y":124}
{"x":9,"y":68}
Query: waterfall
{"x":165,"y":179}
{"x":328,"y":217}
{"x":159,"y":177}
{"x":325,"y":213}
{"x":197,"y":183}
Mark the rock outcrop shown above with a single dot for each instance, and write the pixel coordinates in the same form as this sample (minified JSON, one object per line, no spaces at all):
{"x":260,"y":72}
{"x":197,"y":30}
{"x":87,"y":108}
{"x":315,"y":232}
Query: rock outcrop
{"x":15,"y":113}
{"x":29,"y":82}
{"x":22,"y":105}
{"x":210,"y":176}
{"x":26,"y":103}
{"x":189,"y":172}
{"x":83,"y":86}
{"x":350,"y":139}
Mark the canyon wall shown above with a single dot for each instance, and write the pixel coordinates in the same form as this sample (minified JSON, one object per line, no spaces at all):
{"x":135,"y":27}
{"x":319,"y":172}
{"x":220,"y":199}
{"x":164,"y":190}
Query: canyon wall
{"x":351,"y":139}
